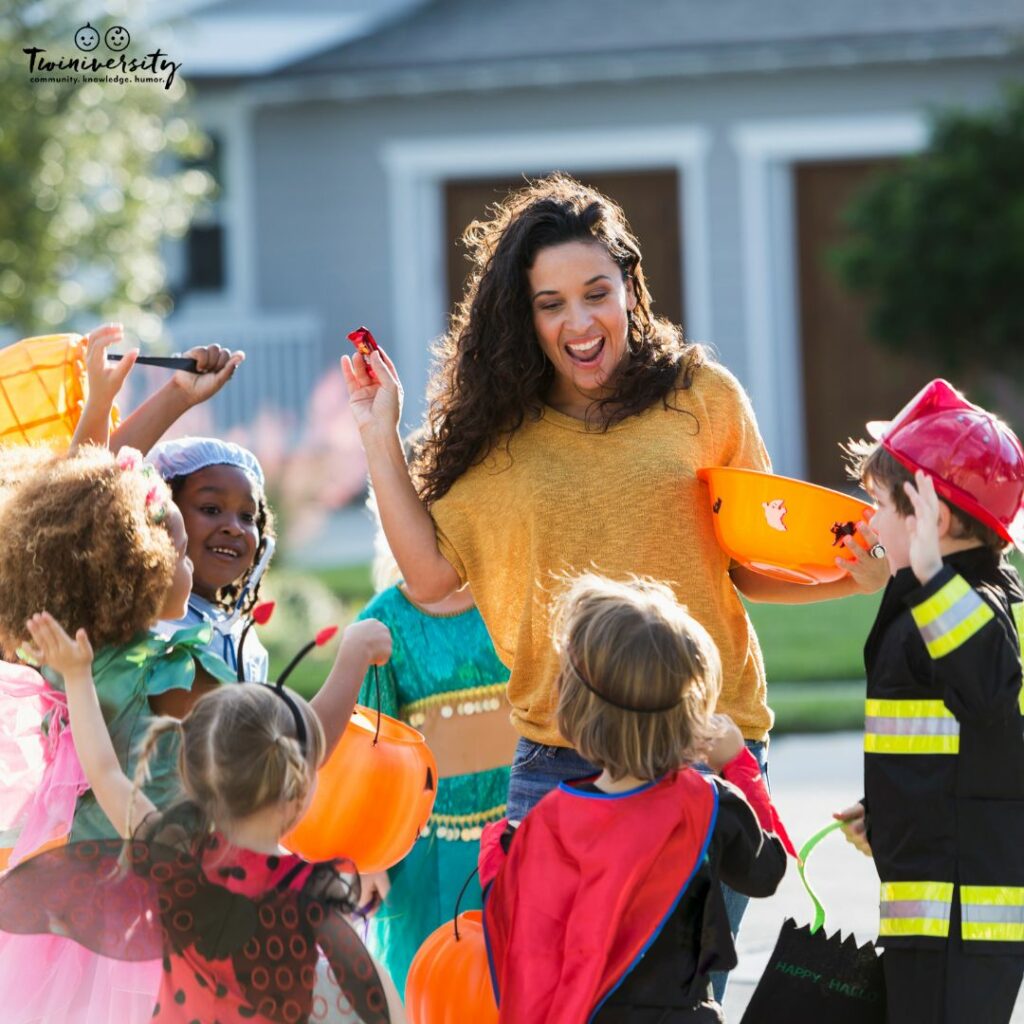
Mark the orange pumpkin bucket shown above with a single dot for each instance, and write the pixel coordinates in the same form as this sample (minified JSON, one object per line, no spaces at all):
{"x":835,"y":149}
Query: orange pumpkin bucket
{"x":374,"y":795}
{"x":449,"y":981}
{"x":42,"y":389}
{"x":780,"y":527}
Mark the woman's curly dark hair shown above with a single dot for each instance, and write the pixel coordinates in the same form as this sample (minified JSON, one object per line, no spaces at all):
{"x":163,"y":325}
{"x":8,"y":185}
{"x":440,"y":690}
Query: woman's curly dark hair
{"x":227,"y":596}
{"x":490,"y":373}
{"x":76,"y":540}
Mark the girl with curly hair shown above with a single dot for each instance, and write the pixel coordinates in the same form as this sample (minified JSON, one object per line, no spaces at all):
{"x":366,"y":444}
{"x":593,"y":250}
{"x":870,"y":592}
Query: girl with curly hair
{"x":567,"y":424}
{"x":97,"y":541}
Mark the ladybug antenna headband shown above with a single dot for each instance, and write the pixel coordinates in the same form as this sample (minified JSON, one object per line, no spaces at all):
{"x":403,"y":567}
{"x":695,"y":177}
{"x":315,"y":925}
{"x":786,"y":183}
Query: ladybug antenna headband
{"x":260,"y":616}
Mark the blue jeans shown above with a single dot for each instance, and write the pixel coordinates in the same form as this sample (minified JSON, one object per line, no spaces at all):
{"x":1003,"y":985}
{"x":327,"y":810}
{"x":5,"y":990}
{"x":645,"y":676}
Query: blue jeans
{"x":537,"y":769}
{"x":736,"y":902}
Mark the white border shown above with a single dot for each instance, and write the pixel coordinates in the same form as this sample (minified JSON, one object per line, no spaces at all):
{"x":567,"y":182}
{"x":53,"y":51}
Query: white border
{"x":766,"y":151}
{"x":417,"y":169}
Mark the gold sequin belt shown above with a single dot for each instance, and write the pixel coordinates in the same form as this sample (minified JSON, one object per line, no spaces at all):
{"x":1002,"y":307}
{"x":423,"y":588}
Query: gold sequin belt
{"x":467,"y":730}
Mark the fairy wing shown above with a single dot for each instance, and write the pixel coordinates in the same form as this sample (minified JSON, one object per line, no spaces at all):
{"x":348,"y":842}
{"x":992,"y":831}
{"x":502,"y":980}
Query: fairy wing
{"x":286,"y":955}
{"x":96,"y":893}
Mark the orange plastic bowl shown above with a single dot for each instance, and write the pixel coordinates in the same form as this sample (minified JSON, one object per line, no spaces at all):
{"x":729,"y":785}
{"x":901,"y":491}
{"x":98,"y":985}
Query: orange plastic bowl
{"x":372,"y":799}
{"x":449,"y":981}
{"x":780,"y":527}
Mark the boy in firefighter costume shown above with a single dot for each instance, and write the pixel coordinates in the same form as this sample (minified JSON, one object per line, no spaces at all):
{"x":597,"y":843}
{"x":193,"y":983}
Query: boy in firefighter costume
{"x":605,"y":904}
{"x":944,"y":749}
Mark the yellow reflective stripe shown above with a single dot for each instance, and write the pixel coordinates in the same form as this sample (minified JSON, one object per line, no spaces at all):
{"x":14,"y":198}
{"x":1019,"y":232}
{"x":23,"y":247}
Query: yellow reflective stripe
{"x":942,"y":891}
{"x":992,"y":913}
{"x":992,"y":931}
{"x":880,"y":743}
{"x":993,"y":895}
{"x":951,"y":617}
{"x":915,"y":908}
{"x":894,"y":926}
{"x":962,"y":632}
{"x":940,"y":602}
{"x":906,"y":709}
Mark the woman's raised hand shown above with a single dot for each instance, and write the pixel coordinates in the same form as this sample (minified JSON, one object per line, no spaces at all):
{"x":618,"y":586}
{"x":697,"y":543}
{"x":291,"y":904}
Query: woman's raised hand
{"x":376,"y":403}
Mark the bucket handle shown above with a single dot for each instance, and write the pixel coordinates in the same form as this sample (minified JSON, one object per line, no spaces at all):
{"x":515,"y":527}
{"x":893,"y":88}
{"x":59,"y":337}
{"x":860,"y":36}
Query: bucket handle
{"x":458,"y":900}
{"x":805,"y":850}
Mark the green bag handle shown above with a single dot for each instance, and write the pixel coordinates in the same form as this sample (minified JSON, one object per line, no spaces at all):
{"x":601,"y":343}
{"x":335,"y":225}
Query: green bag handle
{"x":805,"y":850}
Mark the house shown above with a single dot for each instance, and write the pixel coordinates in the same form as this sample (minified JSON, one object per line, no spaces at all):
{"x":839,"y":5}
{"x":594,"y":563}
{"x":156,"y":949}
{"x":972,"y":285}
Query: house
{"x":356,"y":140}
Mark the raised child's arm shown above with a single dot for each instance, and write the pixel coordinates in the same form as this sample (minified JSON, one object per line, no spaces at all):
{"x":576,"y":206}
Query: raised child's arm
{"x":52,"y":646}
{"x":148,"y":423}
{"x":105,"y":381}
{"x":364,"y":643}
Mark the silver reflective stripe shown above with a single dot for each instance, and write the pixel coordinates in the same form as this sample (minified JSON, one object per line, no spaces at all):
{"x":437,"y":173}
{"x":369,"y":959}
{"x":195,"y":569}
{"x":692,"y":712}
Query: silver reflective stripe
{"x":951,"y":618}
{"x":912,"y":726}
{"x":934,"y":909}
{"x":977,"y":913}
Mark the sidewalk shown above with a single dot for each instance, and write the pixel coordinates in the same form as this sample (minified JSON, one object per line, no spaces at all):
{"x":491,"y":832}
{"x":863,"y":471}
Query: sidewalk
{"x":811,"y":777}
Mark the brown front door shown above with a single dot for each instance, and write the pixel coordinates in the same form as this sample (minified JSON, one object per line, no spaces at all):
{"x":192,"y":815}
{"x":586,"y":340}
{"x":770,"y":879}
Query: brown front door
{"x":651,"y":202}
{"x":848,"y":377}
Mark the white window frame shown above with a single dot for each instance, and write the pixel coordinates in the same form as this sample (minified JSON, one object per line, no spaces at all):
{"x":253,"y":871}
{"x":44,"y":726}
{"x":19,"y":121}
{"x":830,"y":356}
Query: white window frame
{"x":418,"y":169}
{"x":229,"y":118}
{"x":767,"y":152}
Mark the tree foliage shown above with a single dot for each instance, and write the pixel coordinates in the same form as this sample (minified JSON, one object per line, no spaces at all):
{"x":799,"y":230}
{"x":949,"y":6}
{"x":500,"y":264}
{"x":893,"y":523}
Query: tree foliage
{"x":938,"y":243}
{"x":93,"y":176}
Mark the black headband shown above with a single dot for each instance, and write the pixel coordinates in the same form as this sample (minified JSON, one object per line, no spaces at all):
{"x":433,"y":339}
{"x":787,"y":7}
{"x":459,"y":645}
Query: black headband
{"x":614,"y":703}
{"x":300,"y":725}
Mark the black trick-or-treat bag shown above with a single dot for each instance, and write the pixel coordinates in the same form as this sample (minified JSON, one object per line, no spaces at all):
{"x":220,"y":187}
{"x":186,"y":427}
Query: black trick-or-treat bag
{"x":813,"y":978}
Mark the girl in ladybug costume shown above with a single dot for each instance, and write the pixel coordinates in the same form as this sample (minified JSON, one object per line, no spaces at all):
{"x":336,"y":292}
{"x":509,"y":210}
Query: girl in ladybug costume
{"x":605,"y":904}
{"x":944,"y":749}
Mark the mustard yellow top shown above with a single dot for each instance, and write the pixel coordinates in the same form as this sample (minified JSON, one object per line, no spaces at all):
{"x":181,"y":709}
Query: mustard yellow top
{"x":625,"y":501}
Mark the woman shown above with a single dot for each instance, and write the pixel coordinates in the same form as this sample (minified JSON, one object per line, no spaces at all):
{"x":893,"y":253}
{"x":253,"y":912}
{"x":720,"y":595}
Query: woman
{"x":567,"y":425}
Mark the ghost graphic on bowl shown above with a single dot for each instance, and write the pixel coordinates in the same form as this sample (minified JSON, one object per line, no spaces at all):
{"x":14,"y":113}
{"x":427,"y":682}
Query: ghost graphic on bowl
{"x":773,"y":513}
{"x":87,"y":38}
{"x":117,"y":38}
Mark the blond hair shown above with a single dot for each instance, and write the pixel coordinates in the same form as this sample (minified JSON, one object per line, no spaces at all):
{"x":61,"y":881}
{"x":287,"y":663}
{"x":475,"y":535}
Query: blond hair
{"x":239,"y":751}
{"x":639,"y":676}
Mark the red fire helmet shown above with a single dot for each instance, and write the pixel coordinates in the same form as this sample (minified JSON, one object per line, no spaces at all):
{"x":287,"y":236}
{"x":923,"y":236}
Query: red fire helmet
{"x":975,"y":460}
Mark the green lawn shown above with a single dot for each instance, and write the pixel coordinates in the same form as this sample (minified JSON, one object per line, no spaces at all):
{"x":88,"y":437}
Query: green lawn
{"x":817,"y":641}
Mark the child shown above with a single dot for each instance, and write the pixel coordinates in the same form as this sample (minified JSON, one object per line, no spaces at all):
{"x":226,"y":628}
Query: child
{"x":241,"y":920}
{"x":219,"y":487}
{"x":98,"y":541}
{"x":944,"y":751}
{"x":604,"y":905}
{"x":445,"y":680}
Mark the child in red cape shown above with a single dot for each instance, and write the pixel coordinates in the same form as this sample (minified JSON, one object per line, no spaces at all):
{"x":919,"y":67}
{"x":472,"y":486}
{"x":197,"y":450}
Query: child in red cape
{"x":604,"y":905}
